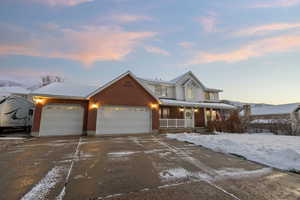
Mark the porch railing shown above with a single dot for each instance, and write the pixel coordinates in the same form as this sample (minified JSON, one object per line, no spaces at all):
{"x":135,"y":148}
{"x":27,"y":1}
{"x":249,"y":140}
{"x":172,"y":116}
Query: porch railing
{"x":175,"y":123}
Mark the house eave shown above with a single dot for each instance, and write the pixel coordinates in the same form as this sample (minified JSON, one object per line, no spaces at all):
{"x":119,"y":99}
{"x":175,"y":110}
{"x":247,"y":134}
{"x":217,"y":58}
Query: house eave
{"x":198,"y":105}
{"x":57,"y":96}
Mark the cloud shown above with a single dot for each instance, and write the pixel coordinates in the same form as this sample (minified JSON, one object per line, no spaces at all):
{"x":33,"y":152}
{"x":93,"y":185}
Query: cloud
{"x":208,"y":22}
{"x":126,"y":18}
{"x":257,"y":48}
{"x":86,"y":44}
{"x":157,"y":50}
{"x":277,"y":3}
{"x":262,"y":30}
{"x":186,"y":45}
{"x":62,"y":2}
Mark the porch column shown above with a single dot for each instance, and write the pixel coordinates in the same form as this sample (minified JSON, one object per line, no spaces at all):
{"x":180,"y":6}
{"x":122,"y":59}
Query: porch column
{"x":184,"y":117}
{"x":205,"y":117}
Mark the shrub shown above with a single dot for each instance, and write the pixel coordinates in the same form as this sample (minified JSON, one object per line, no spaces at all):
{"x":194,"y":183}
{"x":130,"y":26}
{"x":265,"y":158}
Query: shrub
{"x":233,"y":124}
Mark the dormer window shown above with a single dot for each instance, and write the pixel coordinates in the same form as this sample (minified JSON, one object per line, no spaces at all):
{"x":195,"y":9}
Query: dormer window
{"x":190,"y":93}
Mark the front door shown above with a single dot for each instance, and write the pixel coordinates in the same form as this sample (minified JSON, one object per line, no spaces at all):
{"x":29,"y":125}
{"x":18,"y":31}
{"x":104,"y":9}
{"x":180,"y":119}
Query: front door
{"x":189,"y":118}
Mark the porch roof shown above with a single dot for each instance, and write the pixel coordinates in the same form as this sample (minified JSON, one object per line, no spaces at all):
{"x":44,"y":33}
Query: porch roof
{"x":170,"y":102}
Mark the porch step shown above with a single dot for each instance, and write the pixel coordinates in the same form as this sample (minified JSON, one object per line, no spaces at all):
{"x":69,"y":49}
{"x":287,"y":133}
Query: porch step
{"x":176,"y":130}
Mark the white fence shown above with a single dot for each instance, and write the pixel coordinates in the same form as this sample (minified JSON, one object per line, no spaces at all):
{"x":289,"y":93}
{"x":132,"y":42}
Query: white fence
{"x":176,"y":123}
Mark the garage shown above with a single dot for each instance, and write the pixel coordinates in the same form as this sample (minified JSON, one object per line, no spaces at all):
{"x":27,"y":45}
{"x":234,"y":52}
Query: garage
{"x":123,"y":120}
{"x":62,"y":119}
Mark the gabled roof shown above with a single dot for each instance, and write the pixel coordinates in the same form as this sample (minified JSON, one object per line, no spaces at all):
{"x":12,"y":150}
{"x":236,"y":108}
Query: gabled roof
{"x":154,"y":81}
{"x":4,"y":91}
{"x":177,"y":79}
{"x":64,"y":90}
{"x":118,"y":78}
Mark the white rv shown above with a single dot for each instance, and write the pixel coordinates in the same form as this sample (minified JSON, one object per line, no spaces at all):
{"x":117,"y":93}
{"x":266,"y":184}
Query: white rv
{"x":15,"y":112}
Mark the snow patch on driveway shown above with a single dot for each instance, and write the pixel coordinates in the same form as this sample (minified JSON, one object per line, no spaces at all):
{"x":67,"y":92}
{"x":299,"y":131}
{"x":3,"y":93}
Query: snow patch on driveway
{"x":226,"y":173}
{"x":282,"y":152}
{"x":40,"y":190}
{"x":173,"y":174}
{"x":120,"y":154}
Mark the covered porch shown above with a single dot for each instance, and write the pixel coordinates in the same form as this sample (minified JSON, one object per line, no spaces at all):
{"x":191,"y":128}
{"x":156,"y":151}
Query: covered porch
{"x":175,"y":114}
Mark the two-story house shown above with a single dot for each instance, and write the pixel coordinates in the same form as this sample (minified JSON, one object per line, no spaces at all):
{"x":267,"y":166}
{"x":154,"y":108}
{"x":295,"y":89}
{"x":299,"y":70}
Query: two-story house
{"x":125,"y":105}
{"x":185,"y":102}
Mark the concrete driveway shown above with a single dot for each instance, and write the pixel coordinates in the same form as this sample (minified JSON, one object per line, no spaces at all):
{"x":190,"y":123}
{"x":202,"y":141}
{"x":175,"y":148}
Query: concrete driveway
{"x":141,"y":167}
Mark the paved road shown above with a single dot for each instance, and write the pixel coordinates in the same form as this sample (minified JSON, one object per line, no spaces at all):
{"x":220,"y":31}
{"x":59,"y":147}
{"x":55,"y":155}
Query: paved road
{"x":134,"y":168}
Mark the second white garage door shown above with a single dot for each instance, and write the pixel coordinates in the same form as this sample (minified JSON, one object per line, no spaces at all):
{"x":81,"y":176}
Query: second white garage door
{"x":123,"y":120}
{"x":58,"y":119}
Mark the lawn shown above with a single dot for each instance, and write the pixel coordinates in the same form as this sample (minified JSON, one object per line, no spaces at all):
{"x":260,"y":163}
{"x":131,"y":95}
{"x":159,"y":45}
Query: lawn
{"x":282,"y":152}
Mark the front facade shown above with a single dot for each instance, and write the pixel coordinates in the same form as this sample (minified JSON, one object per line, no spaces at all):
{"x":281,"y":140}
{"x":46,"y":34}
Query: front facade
{"x":186,"y":103}
{"x":126,"y":105}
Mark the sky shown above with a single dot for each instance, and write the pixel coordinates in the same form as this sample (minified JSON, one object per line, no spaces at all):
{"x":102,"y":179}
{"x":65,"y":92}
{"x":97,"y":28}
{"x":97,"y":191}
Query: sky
{"x":250,"y":49}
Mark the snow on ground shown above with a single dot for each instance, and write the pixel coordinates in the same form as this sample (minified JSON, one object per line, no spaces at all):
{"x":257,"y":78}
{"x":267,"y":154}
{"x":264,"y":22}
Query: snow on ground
{"x":12,"y":138}
{"x":224,"y":173}
{"x":282,"y":152}
{"x":40,"y":190}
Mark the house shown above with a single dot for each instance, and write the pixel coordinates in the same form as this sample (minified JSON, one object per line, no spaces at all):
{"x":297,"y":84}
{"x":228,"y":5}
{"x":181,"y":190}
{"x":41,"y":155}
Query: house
{"x":267,"y":116}
{"x":126,"y":105}
{"x":14,"y":90}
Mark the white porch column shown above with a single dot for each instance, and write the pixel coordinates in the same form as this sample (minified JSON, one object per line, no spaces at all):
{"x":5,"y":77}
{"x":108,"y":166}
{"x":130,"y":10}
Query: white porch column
{"x":184,"y":117}
{"x":205,"y":117}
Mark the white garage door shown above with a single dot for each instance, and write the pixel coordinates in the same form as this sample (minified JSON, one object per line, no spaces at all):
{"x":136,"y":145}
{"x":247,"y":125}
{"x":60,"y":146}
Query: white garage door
{"x":61,"y":120}
{"x":123,"y":120}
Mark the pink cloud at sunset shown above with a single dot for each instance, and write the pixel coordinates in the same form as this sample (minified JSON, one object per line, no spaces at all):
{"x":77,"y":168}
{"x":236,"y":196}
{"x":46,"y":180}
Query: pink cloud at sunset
{"x":264,"y":29}
{"x":61,"y":2}
{"x":208,"y":22}
{"x":157,"y":50}
{"x":257,"y":48}
{"x":186,"y":45}
{"x":87,"y":45}
{"x":127,"y":18}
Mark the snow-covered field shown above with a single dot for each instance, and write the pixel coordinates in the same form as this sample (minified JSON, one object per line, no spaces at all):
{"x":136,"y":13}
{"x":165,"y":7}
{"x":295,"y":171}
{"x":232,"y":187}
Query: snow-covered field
{"x":282,"y":152}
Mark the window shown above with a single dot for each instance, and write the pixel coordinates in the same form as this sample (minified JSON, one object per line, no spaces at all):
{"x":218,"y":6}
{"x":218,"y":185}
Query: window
{"x":161,"y":91}
{"x":164,"y":91}
{"x":211,"y":115}
{"x":165,"y":113}
{"x":208,"y":115}
{"x":206,"y":95}
{"x":190,"y":93}
{"x":157,"y":90}
{"x":211,"y":96}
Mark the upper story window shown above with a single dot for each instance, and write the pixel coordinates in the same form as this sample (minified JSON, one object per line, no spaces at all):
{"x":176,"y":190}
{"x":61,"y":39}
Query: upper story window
{"x":161,"y":91}
{"x":190,"y":93}
{"x":207,"y":96}
{"x":211,"y":96}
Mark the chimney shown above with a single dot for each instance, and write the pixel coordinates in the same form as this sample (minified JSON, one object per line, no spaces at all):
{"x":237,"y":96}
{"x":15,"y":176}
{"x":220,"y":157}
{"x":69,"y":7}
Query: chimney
{"x":247,"y":110}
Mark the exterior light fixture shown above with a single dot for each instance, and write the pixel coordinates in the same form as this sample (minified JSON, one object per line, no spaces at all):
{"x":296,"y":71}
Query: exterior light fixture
{"x":154,"y":106}
{"x":94,"y":106}
{"x":181,"y":109}
{"x":196,"y":110}
{"x":38,"y":100}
